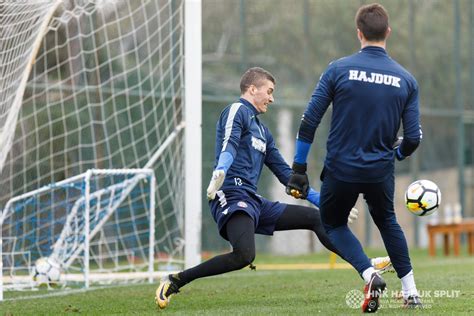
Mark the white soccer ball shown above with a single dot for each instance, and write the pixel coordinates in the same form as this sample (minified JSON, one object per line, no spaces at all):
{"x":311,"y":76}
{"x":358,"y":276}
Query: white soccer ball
{"x":46,"y":272}
{"x":422,"y":197}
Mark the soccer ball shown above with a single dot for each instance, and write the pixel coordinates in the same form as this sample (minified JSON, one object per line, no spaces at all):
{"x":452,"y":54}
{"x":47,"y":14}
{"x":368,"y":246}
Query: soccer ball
{"x":46,"y":272}
{"x":422,"y":197}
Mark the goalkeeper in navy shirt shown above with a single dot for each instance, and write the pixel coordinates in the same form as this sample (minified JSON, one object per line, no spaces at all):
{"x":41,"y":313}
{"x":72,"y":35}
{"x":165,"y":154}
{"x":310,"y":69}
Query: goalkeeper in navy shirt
{"x":371,"y":95}
{"x":243,"y":146}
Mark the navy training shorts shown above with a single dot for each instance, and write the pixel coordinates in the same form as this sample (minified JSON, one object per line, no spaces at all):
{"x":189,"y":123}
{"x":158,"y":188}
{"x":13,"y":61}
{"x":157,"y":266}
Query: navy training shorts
{"x":264,"y":213}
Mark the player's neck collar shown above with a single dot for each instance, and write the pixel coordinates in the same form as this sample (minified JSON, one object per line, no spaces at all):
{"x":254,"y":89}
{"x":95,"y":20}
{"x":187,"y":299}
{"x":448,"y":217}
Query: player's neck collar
{"x":374,"y":49}
{"x":250,"y":105}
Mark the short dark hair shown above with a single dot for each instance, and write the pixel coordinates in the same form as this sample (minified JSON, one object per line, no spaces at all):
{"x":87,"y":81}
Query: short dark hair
{"x":254,"y":76}
{"x":372,"y":21}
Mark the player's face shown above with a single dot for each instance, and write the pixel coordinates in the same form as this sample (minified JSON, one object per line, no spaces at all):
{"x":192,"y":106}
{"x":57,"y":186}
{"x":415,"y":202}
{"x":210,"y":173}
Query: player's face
{"x":263,"y":96}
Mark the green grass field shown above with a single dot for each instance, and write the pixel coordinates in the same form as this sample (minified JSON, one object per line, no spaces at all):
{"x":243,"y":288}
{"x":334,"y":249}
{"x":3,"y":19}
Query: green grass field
{"x":447,"y":284}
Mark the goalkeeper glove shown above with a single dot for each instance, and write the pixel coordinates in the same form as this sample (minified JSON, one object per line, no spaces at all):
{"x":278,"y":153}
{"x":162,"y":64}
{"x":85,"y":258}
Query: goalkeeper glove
{"x":298,"y":185}
{"x":215,"y":184}
{"x":353,"y":215}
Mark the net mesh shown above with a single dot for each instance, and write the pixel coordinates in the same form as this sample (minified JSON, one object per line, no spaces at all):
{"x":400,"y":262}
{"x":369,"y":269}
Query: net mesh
{"x":104,"y":91}
{"x":50,"y":223}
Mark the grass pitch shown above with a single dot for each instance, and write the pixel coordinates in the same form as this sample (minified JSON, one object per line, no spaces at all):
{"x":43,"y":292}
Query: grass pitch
{"x":445,"y":283}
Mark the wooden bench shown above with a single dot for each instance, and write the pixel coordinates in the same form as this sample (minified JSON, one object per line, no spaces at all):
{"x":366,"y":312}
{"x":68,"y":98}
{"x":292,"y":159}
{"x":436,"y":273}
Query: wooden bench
{"x":466,"y":226}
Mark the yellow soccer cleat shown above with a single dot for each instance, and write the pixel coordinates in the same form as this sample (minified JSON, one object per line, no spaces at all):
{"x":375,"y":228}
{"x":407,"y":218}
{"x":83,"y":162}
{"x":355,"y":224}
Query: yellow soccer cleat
{"x":382,"y":264}
{"x":164,"y":292}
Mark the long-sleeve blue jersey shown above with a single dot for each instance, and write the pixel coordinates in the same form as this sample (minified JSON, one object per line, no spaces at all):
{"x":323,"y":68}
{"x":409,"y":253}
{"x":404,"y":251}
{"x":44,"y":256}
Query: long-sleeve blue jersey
{"x":240,"y":133}
{"x":371,"y":95}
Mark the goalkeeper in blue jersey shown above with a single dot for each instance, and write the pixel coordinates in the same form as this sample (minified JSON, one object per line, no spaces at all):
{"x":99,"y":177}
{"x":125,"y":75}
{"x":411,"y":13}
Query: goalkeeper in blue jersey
{"x":243,"y":146}
{"x":371,"y":95}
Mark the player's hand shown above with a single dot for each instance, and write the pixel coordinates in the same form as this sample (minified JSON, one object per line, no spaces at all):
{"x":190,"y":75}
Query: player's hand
{"x":396,"y":148}
{"x":215,"y":184}
{"x":397,"y":142}
{"x":298,"y":185}
{"x":353,"y":215}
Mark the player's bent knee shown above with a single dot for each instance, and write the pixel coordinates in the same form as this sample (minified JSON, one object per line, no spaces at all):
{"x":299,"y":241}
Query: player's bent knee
{"x":244,"y":257}
{"x":249,"y":258}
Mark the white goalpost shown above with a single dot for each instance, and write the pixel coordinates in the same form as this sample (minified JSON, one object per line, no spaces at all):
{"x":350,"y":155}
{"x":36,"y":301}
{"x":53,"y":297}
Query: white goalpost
{"x":193,"y":61}
{"x":100,"y":133}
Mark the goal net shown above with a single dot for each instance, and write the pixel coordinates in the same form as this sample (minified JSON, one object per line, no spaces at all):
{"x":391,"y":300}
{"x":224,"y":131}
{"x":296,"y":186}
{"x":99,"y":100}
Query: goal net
{"x":92,"y":85}
{"x":97,"y":227}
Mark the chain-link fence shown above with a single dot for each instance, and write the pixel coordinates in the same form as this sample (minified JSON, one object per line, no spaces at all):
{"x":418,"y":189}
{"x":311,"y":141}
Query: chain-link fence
{"x":295,"y":40}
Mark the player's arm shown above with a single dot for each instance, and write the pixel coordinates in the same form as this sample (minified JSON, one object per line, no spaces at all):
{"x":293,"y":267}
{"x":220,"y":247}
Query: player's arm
{"x":279,"y":167}
{"x":275,"y":162}
{"x":234,"y":122}
{"x":412,"y":133}
{"x":298,"y":185}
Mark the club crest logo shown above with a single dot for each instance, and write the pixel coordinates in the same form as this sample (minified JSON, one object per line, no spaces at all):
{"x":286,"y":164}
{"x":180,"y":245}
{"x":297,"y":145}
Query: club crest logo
{"x":242,"y":204}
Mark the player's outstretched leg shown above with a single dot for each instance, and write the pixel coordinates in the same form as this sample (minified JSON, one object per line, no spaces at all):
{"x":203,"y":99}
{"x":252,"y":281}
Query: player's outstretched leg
{"x":241,"y":235}
{"x":303,"y":217}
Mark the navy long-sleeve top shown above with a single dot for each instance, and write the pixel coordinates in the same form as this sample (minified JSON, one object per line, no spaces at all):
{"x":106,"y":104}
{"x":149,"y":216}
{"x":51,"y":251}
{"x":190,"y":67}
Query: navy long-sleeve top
{"x":240,"y":133}
{"x":371,"y":95}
